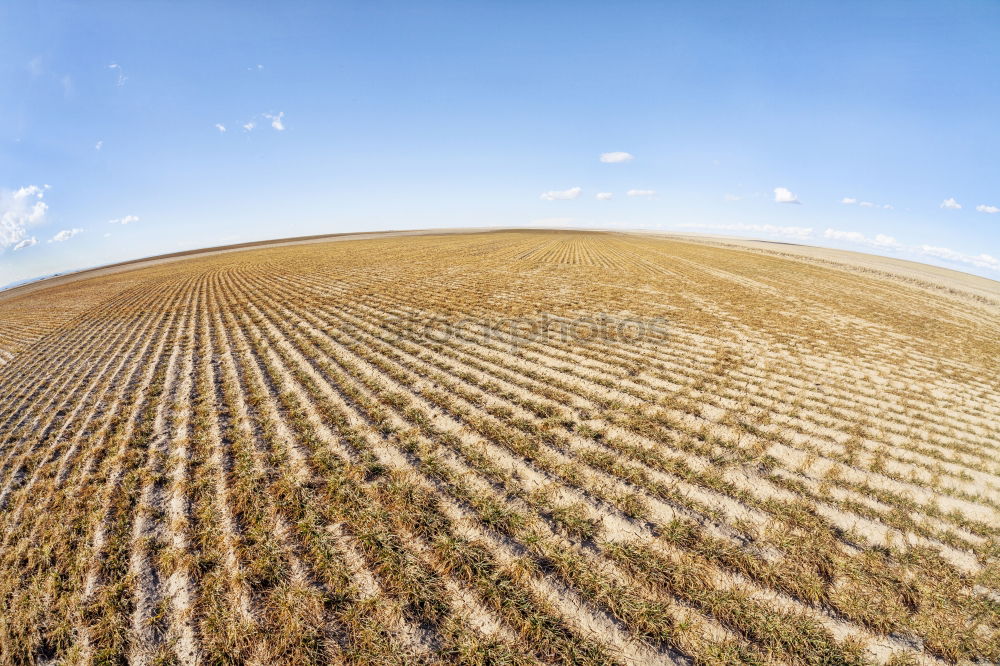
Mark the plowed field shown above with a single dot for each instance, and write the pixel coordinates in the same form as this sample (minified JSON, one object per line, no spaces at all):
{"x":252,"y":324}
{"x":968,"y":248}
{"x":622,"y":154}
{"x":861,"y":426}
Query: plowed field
{"x":505,"y":447}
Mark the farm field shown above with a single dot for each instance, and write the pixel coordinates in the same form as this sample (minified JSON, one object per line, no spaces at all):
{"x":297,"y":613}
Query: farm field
{"x":509,"y":447}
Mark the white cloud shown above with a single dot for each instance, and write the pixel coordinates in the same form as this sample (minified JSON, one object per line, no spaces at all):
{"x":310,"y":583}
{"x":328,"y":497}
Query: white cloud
{"x":121,"y":75}
{"x":30,"y":191}
{"x":883,"y":241}
{"x":65,"y":235}
{"x":983,"y":208}
{"x":980,"y":261}
{"x":784,"y":195}
{"x":732,"y":197}
{"x":27,"y":242}
{"x":561,"y":195}
{"x":641,"y":193}
{"x":98,"y":145}
{"x":950,"y":204}
{"x":220,"y":127}
{"x":855,"y":236}
{"x":616,"y":157}
{"x":276,"y":120}
{"x":866,"y":204}
{"x":604,"y":196}
{"x":800,"y":233}
{"x":880,"y":240}
{"x":19,"y":210}
{"x":128,"y":219}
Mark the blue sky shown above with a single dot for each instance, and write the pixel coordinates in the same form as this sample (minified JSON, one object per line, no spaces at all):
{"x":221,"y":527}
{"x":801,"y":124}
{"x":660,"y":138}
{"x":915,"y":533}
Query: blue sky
{"x":748,"y":119}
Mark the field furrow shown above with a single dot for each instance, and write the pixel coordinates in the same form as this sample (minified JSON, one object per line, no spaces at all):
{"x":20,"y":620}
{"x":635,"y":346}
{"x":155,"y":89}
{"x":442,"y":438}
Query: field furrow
{"x":510,"y":447}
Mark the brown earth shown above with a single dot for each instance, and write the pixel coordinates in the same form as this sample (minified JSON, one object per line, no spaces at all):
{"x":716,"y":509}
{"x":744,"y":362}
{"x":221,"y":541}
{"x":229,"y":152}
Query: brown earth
{"x":501,"y":447}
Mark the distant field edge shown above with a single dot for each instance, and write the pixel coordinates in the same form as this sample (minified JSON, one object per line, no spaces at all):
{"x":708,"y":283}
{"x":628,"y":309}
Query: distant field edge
{"x":936,"y":278}
{"x":59,"y":279}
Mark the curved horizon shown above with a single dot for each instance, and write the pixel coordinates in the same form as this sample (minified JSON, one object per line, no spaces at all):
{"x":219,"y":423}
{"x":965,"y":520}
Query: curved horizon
{"x":133,"y":130}
{"x":349,"y":235}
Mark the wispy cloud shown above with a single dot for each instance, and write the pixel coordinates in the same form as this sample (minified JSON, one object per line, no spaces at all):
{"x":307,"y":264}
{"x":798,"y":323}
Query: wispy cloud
{"x":98,"y":145}
{"x":604,"y":196}
{"x":65,"y":235}
{"x":979,"y":260}
{"x":20,"y":209}
{"x":641,"y":193}
{"x":879,"y":240}
{"x":617,"y":157}
{"x":923,"y":252}
{"x":983,"y":208}
{"x":220,"y":127}
{"x":562,"y":195}
{"x":951,"y":204}
{"x":800,"y":233}
{"x":121,"y":79}
{"x":731,"y":197}
{"x":128,"y":219}
{"x":865,"y":204}
{"x":276,"y":120}
{"x":27,"y":242}
{"x":785,"y":196}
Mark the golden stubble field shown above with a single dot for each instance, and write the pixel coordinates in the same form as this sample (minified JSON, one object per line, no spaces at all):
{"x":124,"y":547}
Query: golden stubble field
{"x":505,"y":447}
